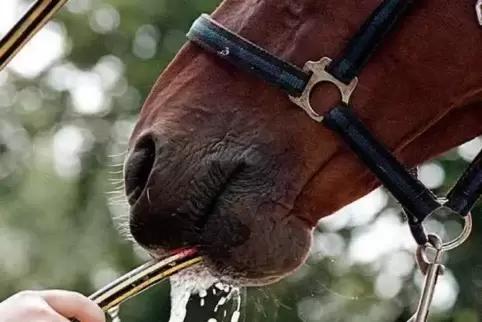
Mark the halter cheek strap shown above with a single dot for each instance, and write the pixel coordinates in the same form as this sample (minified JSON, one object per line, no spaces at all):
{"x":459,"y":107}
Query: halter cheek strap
{"x":417,"y":201}
{"x":361,"y":47}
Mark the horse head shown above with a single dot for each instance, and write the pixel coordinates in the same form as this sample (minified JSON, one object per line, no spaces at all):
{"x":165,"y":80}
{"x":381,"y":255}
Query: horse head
{"x":221,"y":160}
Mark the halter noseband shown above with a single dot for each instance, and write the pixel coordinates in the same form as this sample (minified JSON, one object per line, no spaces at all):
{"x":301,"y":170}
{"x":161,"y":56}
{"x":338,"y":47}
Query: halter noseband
{"x":417,"y":201}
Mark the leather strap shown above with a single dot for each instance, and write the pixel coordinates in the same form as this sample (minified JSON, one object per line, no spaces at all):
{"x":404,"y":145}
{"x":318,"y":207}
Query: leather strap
{"x":468,"y":189}
{"x":361,"y":47}
{"x":418,"y":201}
{"x":217,"y":39}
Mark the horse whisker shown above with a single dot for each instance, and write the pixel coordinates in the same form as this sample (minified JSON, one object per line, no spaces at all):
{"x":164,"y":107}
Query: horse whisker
{"x":116,"y":165}
{"x":115,"y":192}
{"x":119,"y":187}
{"x":117,"y":154}
{"x":116,"y":172}
{"x":116,"y":180}
{"x":119,"y":203}
{"x":148,"y":195}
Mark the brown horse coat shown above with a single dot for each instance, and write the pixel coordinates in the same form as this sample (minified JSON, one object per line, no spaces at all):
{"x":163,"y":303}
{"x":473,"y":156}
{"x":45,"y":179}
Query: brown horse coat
{"x":222,"y":160}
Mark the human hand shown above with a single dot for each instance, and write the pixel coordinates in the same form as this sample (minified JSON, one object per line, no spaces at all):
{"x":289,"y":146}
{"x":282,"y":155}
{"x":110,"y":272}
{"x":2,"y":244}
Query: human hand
{"x":49,"y":306}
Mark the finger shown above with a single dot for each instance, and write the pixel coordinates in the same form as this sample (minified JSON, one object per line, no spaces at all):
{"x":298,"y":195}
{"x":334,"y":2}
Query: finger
{"x":72,"y":304}
{"x":52,"y":316}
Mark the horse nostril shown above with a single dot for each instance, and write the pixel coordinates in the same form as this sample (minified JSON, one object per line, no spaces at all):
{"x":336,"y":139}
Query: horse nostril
{"x":138,"y":168}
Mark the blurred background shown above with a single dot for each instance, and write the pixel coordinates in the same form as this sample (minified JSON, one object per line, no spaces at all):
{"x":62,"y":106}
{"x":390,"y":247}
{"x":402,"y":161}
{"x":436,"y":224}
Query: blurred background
{"x":68,"y":102}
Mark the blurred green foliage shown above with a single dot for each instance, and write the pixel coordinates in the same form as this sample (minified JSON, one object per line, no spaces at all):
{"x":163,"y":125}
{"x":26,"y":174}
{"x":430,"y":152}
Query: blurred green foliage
{"x":60,"y":161}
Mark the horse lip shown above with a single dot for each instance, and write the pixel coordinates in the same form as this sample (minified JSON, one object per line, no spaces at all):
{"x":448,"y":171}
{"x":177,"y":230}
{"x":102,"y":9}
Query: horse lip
{"x":160,"y":254}
{"x":155,"y":253}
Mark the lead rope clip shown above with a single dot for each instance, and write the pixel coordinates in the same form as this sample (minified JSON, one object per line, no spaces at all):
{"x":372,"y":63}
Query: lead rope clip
{"x":432,"y":270}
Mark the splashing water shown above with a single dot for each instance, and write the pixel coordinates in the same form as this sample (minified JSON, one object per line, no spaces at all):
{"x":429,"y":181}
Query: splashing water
{"x":233,"y":293}
{"x":197,"y":281}
{"x":114,"y":314}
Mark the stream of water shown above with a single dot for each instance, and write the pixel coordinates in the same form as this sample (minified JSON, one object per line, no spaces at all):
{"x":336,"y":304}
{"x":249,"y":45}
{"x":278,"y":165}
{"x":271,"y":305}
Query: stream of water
{"x":197,"y":281}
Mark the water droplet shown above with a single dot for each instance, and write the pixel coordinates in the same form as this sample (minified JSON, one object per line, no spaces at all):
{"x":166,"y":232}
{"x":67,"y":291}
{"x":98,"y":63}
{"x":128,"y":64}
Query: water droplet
{"x":236,"y":316}
{"x":114,"y":314}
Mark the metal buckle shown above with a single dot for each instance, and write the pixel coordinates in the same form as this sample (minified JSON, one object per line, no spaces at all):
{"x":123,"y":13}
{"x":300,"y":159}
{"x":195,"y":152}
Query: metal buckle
{"x":320,"y":75}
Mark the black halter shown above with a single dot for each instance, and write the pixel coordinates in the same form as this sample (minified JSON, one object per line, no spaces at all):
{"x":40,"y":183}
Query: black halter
{"x":417,"y":201}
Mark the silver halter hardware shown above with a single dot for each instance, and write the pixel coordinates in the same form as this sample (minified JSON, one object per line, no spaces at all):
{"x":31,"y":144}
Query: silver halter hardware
{"x":321,"y":75}
{"x":432,"y":269}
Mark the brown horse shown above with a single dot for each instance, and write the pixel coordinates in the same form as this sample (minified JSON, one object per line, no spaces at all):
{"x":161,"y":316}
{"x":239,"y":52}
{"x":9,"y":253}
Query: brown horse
{"x":222,"y":160}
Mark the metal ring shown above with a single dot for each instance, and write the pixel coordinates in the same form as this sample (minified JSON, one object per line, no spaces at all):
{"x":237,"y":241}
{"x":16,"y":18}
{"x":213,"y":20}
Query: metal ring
{"x":461,"y":238}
